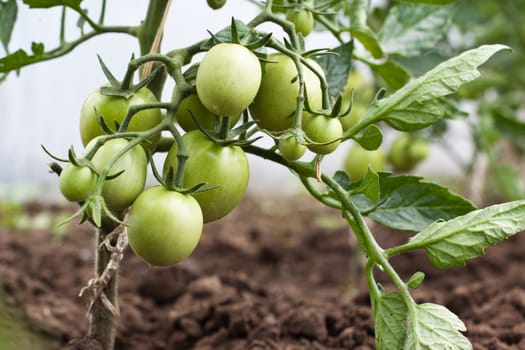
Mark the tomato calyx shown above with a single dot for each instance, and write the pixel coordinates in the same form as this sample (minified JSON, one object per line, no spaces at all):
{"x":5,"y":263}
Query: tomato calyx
{"x":239,"y":33}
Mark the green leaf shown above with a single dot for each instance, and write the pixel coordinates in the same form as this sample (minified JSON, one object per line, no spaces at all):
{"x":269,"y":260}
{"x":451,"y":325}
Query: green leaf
{"x":442,"y":80}
{"x":337,"y":67}
{"x":8,"y":14}
{"x":371,"y":138}
{"x":393,"y":73}
{"x":369,"y":40}
{"x":414,"y":116}
{"x":411,"y":29}
{"x":75,"y":4}
{"x":369,"y":186}
{"x":409,"y":203}
{"x":435,"y":327}
{"x":416,"y":280}
{"x":452,"y":242}
{"x":342,"y":179}
{"x":20,"y":58}
{"x":389,"y":313}
{"x":432,"y":2}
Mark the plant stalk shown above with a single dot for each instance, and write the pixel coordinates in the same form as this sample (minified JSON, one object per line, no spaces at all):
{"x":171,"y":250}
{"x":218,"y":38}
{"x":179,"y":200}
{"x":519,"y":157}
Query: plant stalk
{"x":102,"y":323}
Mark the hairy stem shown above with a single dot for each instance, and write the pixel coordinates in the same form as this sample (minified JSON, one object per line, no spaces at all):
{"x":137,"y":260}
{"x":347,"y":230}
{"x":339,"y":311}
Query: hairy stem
{"x":102,"y":323}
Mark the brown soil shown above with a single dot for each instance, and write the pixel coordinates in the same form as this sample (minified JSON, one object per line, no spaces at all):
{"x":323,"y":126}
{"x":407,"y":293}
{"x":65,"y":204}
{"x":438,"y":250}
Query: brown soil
{"x":273,"y":275}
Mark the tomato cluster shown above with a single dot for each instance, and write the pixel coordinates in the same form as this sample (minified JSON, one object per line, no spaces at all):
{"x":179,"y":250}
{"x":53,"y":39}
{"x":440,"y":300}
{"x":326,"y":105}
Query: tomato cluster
{"x":206,"y":171}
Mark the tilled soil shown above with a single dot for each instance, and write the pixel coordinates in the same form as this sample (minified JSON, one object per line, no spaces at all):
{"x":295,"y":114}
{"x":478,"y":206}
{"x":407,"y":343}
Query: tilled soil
{"x":274,"y":274}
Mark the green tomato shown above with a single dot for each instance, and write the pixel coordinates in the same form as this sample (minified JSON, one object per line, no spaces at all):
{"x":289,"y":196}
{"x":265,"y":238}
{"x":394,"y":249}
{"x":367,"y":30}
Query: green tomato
{"x":191,"y":105}
{"x":351,"y":118}
{"x":216,"y":4}
{"x":76,"y":183}
{"x":406,"y":152}
{"x":360,"y":86}
{"x":302,"y":19}
{"x":291,"y":149}
{"x":275,"y":104}
{"x":164,"y":226}
{"x":359,"y":159}
{"x":225,"y":167}
{"x":120,"y":192}
{"x":113,"y":109}
{"x":321,"y":129}
{"x":228,"y":78}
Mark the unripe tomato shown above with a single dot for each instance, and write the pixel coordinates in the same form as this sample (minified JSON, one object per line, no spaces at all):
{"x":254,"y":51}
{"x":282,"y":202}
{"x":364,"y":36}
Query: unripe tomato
{"x":223,"y":166}
{"x":205,"y":118}
{"x":216,"y":4}
{"x":351,"y":118}
{"x":228,"y":78}
{"x":77,"y":182}
{"x":121,"y":191}
{"x":291,"y":149}
{"x":302,"y":19}
{"x":360,"y":86}
{"x":164,"y":226}
{"x":275,"y":104}
{"x":406,"y":152}
{"x":359,"y":159}
{"x":323,"y":129}
{"x":114,"y":109}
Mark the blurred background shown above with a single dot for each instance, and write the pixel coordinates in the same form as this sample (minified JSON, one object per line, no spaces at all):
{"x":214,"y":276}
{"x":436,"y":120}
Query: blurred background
{"x":41,"y":104}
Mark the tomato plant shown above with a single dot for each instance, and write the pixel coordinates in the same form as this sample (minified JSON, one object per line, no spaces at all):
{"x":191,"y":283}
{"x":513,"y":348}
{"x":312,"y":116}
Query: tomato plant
{"x":294,"y":96}
{"x":216,"y":4}
{"x":223,"y":169}
{"x":164,"y":226}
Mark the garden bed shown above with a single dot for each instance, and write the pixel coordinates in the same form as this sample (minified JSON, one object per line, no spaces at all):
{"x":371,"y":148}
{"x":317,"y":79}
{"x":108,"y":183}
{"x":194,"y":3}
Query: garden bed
{"x":278,"y":274}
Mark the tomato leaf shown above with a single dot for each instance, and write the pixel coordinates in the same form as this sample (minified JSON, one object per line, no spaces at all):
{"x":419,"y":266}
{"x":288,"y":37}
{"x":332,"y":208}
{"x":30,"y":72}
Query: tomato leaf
{"x":409,"y":203}
{"x":342,"y":179}
{"x":369,"y":186}
{"x":8,"y":15}
{"x":20,"y":58}
{"x":411,"y":29}
{"x":225,"y":35}
{"x":415,"y":116}
{"x":390,"y":311}
{"x":451,"y":243}
{"x":337,"y":67}
{"x":442,"y":80}
{"x":432,"y":326}
{"x":393,"y":73}
{"x":371,"y":138}
{"x":75,"y":4}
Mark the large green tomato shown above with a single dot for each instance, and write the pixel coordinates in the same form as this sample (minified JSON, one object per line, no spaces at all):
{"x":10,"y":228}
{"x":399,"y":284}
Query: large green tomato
{"x":302,"y":19}
{"x":120,"y":192}
{"x":191,"y":105}
{"x":228,"y":78}
{"x":291,"y":149}
{"x":225,"y":167}
{"x":164,"y":226}
{"x":320,"y":129}
{"x":114,"y":109}
{"x":359,"y":159}
{"x":275,"y":104}
{"x":406,"y":152}
{"x":76,"y":183}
